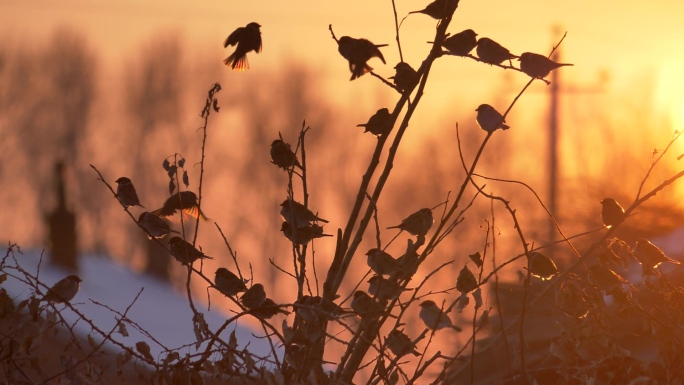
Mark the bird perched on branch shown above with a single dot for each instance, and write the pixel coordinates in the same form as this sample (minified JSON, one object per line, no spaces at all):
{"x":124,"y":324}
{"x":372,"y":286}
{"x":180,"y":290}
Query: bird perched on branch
{"x":364,"y":305}
{"x":461,"y":43}
{"x":185,"y":252}
{"x":155,"y":226}
{"x":254,"y":296}
{"x":489,"y":119}
{"x":358,"y":52}
{"x":185,"y":201}
{"x":384,"y":288}
{"x":125,"y":191}
{"x":228,"y":283}
{"x":302,"y":235}
{"x":541,"y":266}
{"x":434,"y":318}
{"x":538,"y":66}
{"x":400,"y":344}
{"x":64,"y":290}
{"x":439,"y":9}
{"x":492,"y":52}
{"x":381,"y":262}
{"x":650,"y":256}
{"x":406,"y":77}
{"x":418,"y":223}
{"x":297,"y":215}
{"x":268,"y":309}
{"x":247,"y":39}
{"x":604,"y":278}
{"x":612,"y":214}
{"x":282,"y":155}
{"x":378,"y":124}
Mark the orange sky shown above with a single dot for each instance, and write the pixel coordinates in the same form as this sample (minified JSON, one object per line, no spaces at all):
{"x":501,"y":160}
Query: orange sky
{"x":627,"y":38}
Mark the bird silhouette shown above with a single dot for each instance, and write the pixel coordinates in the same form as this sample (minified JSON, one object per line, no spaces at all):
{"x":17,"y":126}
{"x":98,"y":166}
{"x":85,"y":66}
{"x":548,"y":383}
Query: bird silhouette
{"x":125,"y":191}
{"x":247,"y":39}
{"x":492,"y":52}
{"x":439,"y":9}
{"x":612,"y":214}
{"x":358,"y":52}
{"x":461,"y":43}
{"x":379,"y":124}
{"x":538,"y":66}
{"x":489,"y":119}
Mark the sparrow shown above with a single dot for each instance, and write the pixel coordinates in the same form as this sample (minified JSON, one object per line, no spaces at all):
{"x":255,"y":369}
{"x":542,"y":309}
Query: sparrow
{"x":400,"y":344}
{"x":185,"y":201}
{"x":492,"y":52}
{"x":380,"y":123}
{"x":364,"y":305}
{"x":184,"y":252}
{"x":418,"y":223}
{"x":64,"y":290}
{"x":228,"y":283}
{"x":125,"y":191}
{"x":358,"y":52}
{"x":384,"y":288}
{"x":466,"y":281}
{"x":541,"y":266}
{"x":155,"y":226}
{"x":612,"y":214}
{"x":268,"y":309}
{"x":254,"y":296}
{"x":297,"y":214}
{"x":381,"y":262}
{"x":538,"y":66}
{"x":604,"y":278}
{"x":434,"y":318}
{"x":405,"y":78}
{"x":313,"y":308}
{"x":461,"y":43}
{"x":302,"y":235}
{"x":282,"y":155}
{"x":650,"y":256}
{"x":439,"y":9}
{"x":247,"y":39}
{"x":490,"y":119}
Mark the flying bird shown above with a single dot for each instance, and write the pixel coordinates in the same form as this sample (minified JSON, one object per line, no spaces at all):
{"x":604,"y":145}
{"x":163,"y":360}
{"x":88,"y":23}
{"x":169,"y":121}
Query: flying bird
{"x":358,"y":52}
{"x":125,"y":191}
{"x":247,"y":39}
{"x":490,"y":119}
{"x":538,"y":66}
{"x":185,"y":201}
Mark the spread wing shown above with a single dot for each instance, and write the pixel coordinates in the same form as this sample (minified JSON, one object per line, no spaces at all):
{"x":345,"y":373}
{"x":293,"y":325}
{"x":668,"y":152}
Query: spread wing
{"x":234,"y":37}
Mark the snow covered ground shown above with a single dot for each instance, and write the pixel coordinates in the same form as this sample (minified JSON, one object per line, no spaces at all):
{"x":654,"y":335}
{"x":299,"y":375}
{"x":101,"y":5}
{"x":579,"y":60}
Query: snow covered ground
{"x":160,"y":309}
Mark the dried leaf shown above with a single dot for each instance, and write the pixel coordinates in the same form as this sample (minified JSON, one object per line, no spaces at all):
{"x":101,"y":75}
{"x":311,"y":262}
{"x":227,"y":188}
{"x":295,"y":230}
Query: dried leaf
{"x":181,"y":162}
{"x":484,"y":319}
{"x":172,"y":186}
{"x":143,"y":348}
{"x":122,"y":329}
{"x":186,"y":182}
{"x":466,"y":281}
{"x":3,"y":278}
{"x":463,"y":301}
{"x":477,"y":296}
{"x":477,"y":258}
{"x":91,"y":341}
{"x":232,"y":340}
{"x":215,"y":105}
{"x":172,"y":171}
{"x":166,"y":164}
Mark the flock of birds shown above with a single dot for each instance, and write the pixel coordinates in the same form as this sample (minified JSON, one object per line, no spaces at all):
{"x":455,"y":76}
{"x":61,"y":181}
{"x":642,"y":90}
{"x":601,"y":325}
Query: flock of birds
{"x":301,"y":225}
